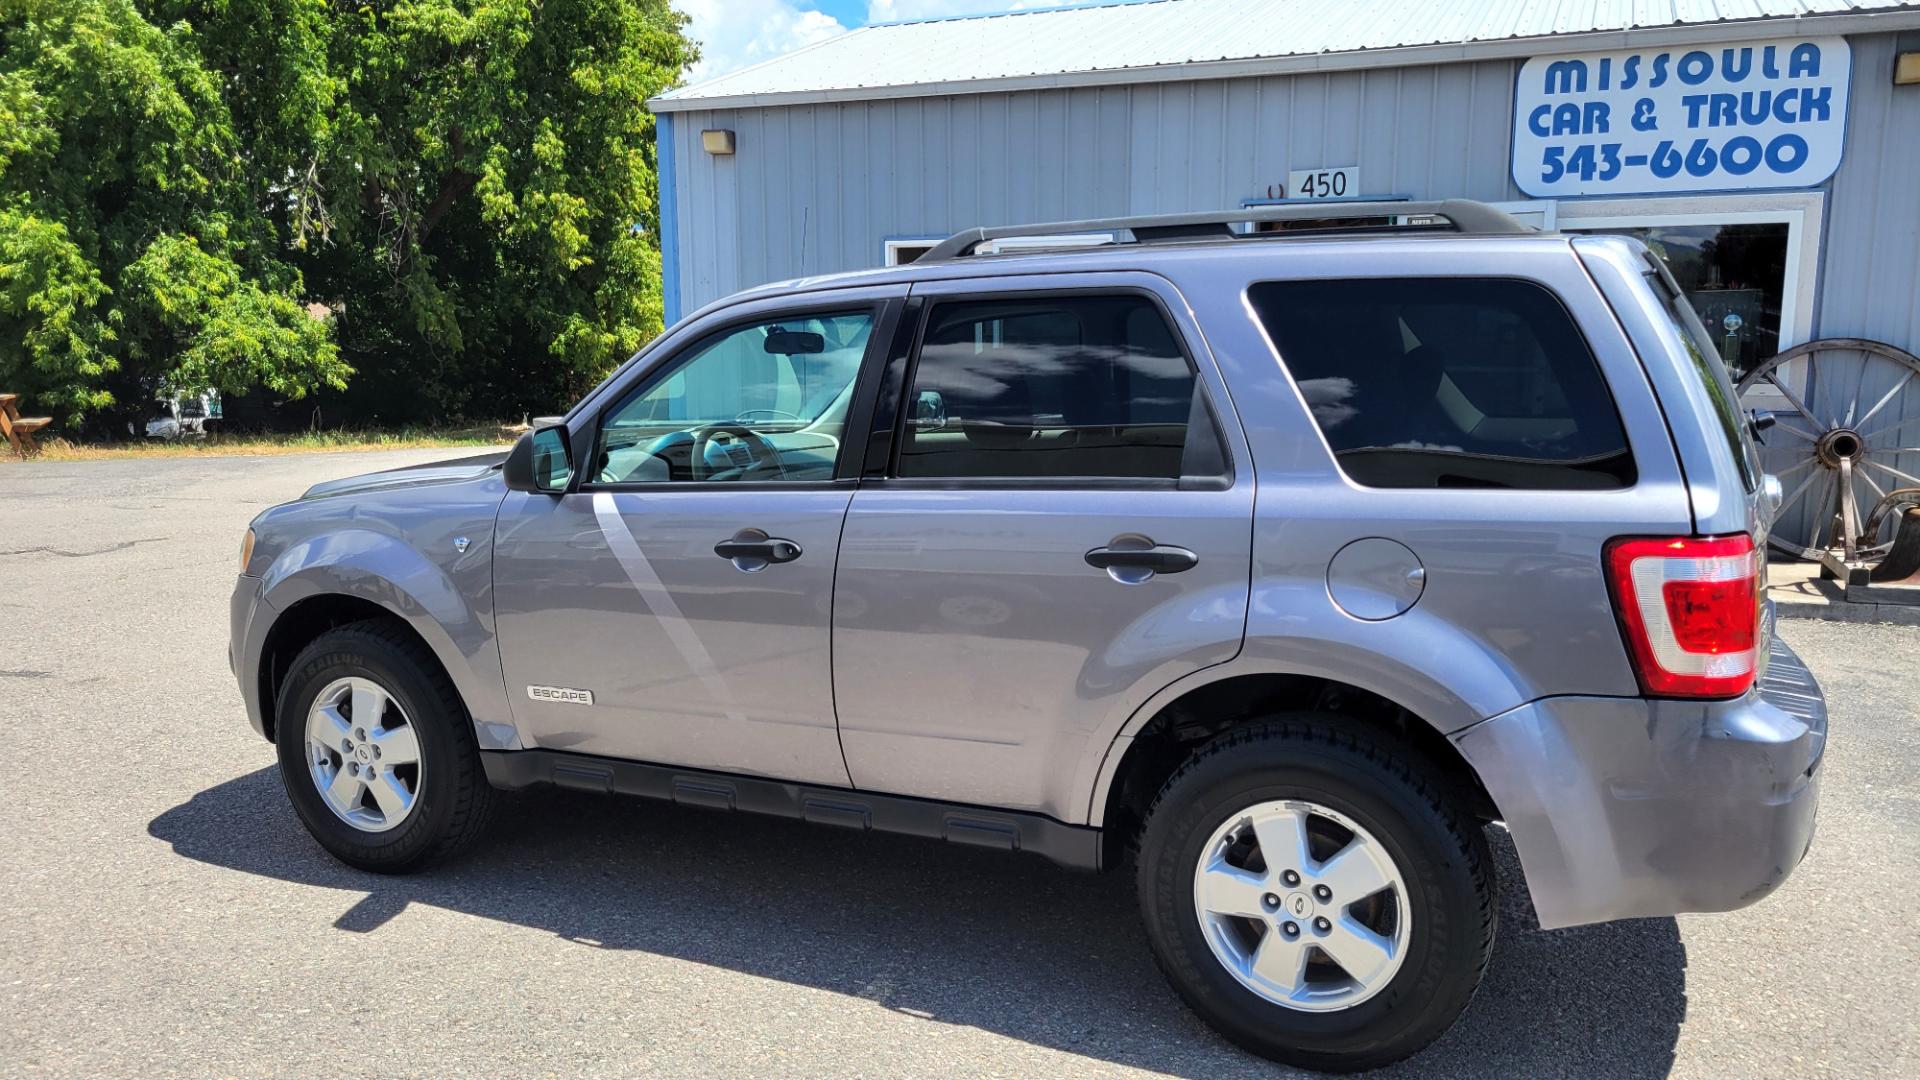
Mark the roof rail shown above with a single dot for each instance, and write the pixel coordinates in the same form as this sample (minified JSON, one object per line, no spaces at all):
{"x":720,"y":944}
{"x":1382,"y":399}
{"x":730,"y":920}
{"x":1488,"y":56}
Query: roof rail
{"x":1463,"y":216}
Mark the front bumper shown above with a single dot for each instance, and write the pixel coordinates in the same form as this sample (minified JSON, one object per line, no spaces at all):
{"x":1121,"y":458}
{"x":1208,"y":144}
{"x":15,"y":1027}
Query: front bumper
{"x":245,"y":634}
{"x":1625,"y":808}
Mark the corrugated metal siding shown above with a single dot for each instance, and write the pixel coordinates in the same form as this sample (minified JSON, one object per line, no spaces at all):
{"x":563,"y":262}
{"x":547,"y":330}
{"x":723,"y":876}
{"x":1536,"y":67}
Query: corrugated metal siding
{"x":1426,"y":132}
{"x":816,"y":189}
{"x":1170,"y":32}
{"x":1870,"y":261}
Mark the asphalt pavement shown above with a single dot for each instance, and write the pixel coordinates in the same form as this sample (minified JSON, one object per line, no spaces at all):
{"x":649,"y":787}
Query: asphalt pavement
{"x":165,"y":915}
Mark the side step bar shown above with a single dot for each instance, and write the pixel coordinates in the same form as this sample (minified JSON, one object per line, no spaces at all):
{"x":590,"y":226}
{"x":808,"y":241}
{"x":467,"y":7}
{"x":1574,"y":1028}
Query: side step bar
{"x":1074,"y":846}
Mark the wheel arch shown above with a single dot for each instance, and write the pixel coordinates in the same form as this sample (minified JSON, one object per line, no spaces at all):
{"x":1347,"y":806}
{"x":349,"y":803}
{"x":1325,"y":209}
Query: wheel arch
{"x":304,"y":621}
{"x":350,"y":575}
{"x":1139,"y":762}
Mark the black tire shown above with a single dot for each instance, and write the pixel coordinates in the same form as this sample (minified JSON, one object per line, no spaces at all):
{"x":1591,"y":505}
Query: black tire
{"x":455,"y":800}
{"x":1387,"y":788}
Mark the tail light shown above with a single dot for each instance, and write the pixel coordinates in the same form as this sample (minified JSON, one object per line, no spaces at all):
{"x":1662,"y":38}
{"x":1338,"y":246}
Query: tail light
{"x":1690,"y":610}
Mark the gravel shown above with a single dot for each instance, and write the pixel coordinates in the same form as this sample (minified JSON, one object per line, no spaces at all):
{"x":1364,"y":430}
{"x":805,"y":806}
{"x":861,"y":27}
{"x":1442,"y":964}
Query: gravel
{"x":167,"y":915}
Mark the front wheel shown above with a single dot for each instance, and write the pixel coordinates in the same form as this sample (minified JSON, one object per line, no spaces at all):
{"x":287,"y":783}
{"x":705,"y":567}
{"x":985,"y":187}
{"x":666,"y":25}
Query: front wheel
{"x":1313,"y":893}
{"x":376,"y":750}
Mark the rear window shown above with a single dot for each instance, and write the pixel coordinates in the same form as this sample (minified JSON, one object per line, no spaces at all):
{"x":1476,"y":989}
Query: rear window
{"x":1448,"y":382}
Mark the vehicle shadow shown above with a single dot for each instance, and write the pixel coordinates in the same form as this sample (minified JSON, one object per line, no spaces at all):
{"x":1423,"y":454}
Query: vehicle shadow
{"x":1007,"y":944}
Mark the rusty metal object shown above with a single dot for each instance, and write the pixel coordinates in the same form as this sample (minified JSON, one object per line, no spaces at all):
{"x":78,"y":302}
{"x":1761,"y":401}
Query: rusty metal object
{"x":1889,"y":510}
{"x":1901,"y":564}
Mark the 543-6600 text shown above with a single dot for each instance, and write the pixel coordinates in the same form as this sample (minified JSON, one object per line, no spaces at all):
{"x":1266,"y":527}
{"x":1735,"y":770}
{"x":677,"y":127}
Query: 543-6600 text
{"x":1737,"y":156}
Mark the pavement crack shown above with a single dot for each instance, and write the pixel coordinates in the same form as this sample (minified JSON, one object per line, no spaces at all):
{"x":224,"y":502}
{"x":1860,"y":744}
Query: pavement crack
{"x":23,"y":674}
{"x":65,"y":554}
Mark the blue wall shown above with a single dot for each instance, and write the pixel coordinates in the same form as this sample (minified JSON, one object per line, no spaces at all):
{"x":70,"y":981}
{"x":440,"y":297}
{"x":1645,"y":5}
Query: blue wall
{"x":817,"y":188}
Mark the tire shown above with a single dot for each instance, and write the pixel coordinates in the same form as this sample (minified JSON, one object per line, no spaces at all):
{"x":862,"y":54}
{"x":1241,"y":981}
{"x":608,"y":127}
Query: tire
{"x":451,"y":799}
{"x":1376,"y":789}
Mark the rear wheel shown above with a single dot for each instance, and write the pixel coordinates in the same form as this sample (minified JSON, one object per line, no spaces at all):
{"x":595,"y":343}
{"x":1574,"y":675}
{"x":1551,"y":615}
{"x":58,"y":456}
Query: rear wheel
{"x":1311,"y":891}
{"x":377,"y":752}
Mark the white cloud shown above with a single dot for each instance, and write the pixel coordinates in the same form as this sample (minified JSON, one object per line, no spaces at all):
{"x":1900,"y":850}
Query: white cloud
{"x":896,"y":10}
{"x":736,"y":33}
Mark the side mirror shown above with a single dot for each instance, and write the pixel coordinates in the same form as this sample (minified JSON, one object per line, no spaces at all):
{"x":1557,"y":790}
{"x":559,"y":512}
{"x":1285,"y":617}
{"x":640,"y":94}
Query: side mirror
{"x":541,"y":461}
{"x":929,"y":411}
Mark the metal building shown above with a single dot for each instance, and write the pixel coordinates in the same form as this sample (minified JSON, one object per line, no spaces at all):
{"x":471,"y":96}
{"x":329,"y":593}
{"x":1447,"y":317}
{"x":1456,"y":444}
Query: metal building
{"x":1769,"y":149}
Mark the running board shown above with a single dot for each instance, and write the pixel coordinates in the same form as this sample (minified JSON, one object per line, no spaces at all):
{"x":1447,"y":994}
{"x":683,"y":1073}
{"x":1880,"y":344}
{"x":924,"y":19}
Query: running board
{"x":1074,"y":846}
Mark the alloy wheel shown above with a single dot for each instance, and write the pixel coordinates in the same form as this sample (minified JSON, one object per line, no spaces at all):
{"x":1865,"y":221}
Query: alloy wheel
{"x":363,"y":755}
{"x":1302,"y":906}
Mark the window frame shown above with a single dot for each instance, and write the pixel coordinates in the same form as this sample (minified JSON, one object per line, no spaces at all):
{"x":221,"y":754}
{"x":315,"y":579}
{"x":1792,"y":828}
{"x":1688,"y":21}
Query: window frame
{"x":885,"y":313}
{"x":894,"y":246}
{"x":1572,"y":316}
{"x":903,"y":366}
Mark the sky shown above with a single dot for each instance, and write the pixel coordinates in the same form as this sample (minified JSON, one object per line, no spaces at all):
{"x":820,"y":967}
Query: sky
{"x":736,"y":33}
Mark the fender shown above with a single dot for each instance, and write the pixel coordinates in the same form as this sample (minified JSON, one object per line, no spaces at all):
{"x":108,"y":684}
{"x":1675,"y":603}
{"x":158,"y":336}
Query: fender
{"x":1381,"y":658}
{"x":446,"y":606}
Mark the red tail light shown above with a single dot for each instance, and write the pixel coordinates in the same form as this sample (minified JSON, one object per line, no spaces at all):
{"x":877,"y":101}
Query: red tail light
{"x":1690,"y":610}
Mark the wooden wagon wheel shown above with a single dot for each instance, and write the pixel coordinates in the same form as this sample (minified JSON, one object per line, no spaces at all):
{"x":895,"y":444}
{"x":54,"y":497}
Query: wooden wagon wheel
{"x":1846,"y":430}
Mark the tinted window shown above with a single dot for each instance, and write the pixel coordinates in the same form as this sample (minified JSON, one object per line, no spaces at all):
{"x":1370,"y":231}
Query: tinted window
{"x":767,"y":401}
{"x":1448,"y":382}
{"x":1074,"y":386}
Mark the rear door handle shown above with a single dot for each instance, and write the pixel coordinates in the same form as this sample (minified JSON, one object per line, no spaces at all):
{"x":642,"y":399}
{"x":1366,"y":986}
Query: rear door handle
{"x":751,"y":549}
{"x":1158,"y":559}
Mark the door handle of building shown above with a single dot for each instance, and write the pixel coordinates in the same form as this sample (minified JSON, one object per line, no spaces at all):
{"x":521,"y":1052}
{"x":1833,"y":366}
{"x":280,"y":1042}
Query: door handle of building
{"x":751,"y":549}
{"x":1157,"y":559}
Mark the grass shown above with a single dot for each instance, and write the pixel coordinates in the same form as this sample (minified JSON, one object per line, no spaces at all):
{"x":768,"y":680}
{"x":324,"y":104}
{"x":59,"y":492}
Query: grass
{"x":486,"y":436}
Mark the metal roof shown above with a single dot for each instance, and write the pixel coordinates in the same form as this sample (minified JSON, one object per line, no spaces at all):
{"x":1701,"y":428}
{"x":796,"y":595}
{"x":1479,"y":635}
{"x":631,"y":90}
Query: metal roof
{"x":1167,"y":40}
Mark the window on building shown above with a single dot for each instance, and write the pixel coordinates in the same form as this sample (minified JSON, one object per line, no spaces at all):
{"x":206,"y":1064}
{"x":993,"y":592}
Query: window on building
{"x":1448,"y":382}
{"x":1734,"y":274}
{"x":1084,"y":386}
{"x":902,"y":252}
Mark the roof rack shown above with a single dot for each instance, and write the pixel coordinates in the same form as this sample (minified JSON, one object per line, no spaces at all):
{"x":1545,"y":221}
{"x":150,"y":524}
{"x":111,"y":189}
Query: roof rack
{"x":1462,"y":216}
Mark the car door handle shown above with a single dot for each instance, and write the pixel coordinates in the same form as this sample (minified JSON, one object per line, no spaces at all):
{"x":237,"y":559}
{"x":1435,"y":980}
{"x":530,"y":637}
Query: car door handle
{"x":1158,"y":559}
{"x":754,"y":546}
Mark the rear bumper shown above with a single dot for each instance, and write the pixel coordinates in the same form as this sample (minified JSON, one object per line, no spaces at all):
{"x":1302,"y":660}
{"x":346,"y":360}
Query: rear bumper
{"x":1625,"y":808}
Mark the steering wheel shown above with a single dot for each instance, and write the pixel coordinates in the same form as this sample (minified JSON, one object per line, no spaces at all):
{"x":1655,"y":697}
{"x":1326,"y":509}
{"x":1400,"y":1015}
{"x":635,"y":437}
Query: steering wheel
{"x":704,"y":435}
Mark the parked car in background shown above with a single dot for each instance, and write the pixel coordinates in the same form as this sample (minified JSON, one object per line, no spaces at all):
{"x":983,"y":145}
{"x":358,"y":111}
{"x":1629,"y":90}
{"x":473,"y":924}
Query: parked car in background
{"x":1270,"y":566}
{"x":187,"y":417}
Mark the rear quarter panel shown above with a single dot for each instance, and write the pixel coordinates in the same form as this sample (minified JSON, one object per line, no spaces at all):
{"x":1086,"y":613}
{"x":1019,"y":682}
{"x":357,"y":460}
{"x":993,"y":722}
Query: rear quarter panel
{"x":1721,"y":502}
{"x":1515,"y":605}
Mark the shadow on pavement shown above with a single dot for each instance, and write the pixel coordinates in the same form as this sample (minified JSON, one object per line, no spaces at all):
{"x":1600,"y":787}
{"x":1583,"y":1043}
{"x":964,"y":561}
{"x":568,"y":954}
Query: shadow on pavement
{"x":1010,"y":945}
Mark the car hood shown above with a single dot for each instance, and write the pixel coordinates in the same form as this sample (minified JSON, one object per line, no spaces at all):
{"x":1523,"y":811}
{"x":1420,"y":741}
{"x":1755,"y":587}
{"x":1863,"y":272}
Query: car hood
{"x":436,"y":472}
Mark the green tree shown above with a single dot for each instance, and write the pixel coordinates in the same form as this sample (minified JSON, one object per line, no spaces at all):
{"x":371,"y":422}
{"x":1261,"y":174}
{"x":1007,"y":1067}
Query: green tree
{"x":133,"y":250}
{"x":469,"y":183}
{"x":465,"y":189}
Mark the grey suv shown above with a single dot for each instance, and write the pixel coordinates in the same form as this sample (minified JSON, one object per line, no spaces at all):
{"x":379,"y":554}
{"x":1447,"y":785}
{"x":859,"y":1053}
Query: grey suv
{"x":1272,"y":561}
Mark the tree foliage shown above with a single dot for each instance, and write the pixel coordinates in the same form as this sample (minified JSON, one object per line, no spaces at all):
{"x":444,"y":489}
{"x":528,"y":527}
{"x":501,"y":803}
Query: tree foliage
{"x":445,"y":205}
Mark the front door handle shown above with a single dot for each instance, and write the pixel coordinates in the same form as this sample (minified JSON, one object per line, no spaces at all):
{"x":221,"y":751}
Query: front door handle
{"x":1147,"y":557}
{"x":751,"y":549}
